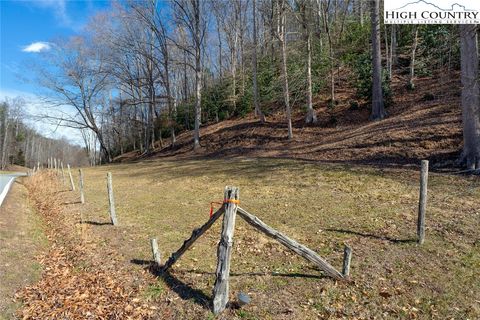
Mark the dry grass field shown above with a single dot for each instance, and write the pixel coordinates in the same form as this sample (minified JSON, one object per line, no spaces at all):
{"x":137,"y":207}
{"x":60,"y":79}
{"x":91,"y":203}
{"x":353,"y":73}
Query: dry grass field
{"x":322,"y":206}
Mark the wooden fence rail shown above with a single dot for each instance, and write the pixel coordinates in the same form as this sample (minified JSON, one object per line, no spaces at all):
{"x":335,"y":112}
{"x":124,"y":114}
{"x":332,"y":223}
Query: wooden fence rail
{"x":195,"y":235}
{"x":296,"y":247}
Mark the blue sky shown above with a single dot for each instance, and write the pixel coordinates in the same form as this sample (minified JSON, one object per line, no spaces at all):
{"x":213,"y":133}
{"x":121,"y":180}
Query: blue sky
{"x":26,"y":27}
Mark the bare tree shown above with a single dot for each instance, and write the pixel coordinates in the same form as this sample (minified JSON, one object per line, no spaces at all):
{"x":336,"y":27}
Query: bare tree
{"x":189,"y":14}
{"x":281,"y":8}
{"x":328,"y":30}
{"x":470,"y":96}
{"x":411,"y":85}
{"x":77,"y":77}
{"x":311,"y":115}
{"x":258,"y":110}
{"x":5,"y":125}
{"x":378,"y":109}
{"x":228,"y":14}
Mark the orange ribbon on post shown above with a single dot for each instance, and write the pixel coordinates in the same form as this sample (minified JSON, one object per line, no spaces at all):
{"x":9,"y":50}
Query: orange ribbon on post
{"x":221,"y":203}
{"x":211,"y":206}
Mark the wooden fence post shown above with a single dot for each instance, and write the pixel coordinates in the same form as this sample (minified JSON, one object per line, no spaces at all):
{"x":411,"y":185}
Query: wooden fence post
{"x":111,"y":200}
{"x":347,"y":258}
{"x":156,"y":253}
{"x":224,"y":251}
{"x":422,"y":205}
{"x":63,"y":173}
{"x":72,"y":185}
{"x":80,"y":186}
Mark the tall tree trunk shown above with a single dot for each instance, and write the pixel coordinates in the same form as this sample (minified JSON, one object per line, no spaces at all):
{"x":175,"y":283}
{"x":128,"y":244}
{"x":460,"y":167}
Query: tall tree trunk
{"x":220,"y":65}
{"x":5,"y":138}
{"x":360,"y":11}
{"x":198,"y":103}
{"x":311,"y":115}
{"x":258,"y":110}
{"x":173,"y":119}
{"x":103,"y":146}
{"x":378,"y":109}
{"x":272,"y":29}
{"x":393,"y":44}
{"x":233,"y":58}
{"x":330,"y":52}
{"x":171,"y":101}
{"x":411,"y":85}
{"x":387,"y":54}
{"x":242,"y":54}
{"x":470,"y":96}
{"x":283,"y":44}
{"x":198,"y":76}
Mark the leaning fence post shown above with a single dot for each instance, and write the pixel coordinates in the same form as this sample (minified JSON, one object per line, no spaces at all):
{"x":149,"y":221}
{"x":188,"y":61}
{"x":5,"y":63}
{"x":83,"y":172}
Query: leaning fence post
{"x":80,"y":186}
{"x":111,"y":200}
{"x":156,"y":253}
{"x":224,"y":251}
{"x":72,"y":185}
{"x":347,"y":258}
{"x":422,"y":205}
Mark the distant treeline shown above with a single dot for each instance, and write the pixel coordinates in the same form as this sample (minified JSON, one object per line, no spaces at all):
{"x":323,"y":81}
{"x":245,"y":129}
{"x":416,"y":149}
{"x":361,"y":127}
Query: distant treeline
{"x":23,"y":146}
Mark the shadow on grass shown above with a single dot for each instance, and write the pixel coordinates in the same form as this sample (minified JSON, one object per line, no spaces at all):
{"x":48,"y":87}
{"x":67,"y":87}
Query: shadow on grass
{"x":61,"y":191}
{"x":96,"y":223}
{"x":141,"y":262}
{"x":273,"y":274}
{"x":70,"y":202}
{"x":372,"y":236}
{"x":183,"y":290}
{"x":186,"y":292}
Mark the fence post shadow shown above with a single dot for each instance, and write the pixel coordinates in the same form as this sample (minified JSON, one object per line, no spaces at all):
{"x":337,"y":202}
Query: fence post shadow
{"x":370,"y":235}
{"x":182,"y":289}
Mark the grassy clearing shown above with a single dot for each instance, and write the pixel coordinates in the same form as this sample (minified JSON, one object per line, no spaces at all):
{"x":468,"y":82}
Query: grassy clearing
{"x":322,"y":206}
{"x":21,"y":240}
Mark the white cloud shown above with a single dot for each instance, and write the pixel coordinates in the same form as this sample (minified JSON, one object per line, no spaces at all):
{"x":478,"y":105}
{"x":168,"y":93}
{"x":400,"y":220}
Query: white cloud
{"x":37,"y":47}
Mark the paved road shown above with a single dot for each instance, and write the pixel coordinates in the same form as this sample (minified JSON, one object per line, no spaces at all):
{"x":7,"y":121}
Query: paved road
{"x":6,"y":181}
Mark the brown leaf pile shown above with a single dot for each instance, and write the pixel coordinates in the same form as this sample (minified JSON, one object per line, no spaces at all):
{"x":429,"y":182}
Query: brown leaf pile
{"x":68,"y":289}
{"x":65,"y":293}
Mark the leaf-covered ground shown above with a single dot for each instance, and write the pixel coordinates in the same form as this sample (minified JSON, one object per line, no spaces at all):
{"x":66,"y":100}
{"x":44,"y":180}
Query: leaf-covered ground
{"x":322,"y":206}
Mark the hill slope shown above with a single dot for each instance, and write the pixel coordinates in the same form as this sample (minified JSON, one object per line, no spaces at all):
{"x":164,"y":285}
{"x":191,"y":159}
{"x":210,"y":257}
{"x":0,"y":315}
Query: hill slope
{"x":425,"y":123}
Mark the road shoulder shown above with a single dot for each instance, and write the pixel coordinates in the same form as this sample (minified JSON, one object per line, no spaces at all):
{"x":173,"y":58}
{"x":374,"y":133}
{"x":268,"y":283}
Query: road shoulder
{"x":21,"y":240}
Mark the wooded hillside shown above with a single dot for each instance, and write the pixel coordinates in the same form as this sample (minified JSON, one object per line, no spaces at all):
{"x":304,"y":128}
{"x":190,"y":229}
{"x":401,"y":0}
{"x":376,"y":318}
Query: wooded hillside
{"x":144,"y":72}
